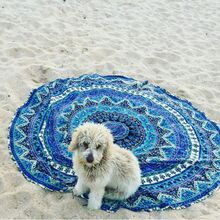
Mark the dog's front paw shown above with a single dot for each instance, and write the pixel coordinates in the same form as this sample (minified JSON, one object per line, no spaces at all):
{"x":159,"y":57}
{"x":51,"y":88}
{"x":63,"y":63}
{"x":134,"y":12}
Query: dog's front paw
{"x":94,"y":206}
{"x":76,"y":192}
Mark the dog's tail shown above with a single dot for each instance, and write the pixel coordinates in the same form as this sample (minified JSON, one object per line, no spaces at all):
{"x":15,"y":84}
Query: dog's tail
{"x":115,"y":194}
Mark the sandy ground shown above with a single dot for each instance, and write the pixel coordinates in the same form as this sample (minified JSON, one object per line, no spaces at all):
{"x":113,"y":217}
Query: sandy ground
{"x":171,"y":43}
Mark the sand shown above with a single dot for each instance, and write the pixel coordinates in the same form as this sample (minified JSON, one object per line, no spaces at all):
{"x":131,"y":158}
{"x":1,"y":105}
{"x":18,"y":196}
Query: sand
{"x":172,"y":43}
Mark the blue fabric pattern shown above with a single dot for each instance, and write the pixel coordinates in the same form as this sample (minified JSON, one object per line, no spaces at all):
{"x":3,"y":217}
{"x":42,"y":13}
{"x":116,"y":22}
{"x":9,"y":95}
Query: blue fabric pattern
{"x":178,"y":148}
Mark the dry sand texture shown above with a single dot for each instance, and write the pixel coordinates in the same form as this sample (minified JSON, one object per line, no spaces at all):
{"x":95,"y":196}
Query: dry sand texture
{"x":172,"y":43}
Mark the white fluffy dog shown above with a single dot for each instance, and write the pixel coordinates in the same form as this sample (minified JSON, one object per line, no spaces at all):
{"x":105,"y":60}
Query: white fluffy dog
{"x":102,"y":167}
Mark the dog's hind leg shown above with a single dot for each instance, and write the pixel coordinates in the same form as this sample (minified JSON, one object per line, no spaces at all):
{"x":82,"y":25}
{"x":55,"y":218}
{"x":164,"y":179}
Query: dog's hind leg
{"x":115,"y":194}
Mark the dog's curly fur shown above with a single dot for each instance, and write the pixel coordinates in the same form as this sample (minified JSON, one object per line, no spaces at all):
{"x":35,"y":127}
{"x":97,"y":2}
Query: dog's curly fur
{"x":102,"y":167}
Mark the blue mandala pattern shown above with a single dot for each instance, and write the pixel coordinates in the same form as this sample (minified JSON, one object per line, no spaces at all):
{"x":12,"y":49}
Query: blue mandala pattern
{"x":178,"y":148}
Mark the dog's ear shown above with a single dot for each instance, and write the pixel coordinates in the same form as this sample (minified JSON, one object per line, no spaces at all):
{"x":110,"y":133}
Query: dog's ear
{"x":74,"y":144}
{"x":110,"y":139}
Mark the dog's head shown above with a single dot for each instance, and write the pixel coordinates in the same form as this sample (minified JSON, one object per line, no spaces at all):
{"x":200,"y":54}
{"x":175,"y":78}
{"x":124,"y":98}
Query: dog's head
{"x":91,"y":142}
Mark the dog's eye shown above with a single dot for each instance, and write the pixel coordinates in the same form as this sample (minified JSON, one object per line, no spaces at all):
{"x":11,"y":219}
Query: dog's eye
{"x":85,"y":145}
{"x":98,"y":146}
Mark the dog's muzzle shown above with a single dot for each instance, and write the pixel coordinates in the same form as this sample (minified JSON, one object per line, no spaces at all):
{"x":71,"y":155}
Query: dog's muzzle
{"x":90,"y":158}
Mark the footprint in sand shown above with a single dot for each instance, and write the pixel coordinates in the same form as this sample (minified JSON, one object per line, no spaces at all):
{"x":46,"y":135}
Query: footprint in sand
{"x":19,"y":52}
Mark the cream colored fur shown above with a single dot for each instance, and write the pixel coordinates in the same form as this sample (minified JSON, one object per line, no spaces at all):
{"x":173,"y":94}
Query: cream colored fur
{"x":114,"y":172}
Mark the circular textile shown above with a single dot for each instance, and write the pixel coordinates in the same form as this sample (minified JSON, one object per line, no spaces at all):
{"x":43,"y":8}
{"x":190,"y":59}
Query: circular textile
{"x":178,"y":148}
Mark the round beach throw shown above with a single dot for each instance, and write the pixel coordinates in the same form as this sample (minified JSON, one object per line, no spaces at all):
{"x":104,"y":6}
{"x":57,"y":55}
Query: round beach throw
{"x":178,"y":148}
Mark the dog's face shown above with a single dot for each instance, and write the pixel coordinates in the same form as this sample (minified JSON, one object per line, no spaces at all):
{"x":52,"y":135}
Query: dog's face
{"x":90,"y":141}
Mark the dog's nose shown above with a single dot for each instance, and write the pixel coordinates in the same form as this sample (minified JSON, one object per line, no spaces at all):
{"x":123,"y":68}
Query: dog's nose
{"x":90,"y":158}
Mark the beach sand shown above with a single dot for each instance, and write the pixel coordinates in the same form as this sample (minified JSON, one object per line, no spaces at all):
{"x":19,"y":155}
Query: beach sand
{"x":172,"y":43}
